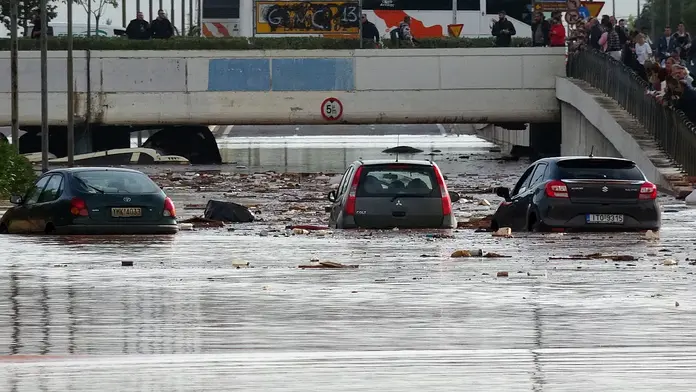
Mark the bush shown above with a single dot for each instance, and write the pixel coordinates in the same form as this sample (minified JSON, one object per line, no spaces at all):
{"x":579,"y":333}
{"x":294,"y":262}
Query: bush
{"x":16,"y":172}
{"x":238,"y":43}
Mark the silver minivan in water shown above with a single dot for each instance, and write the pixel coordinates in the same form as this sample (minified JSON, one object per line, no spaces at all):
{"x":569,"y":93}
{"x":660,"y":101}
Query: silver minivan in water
{"x":383,"y":194}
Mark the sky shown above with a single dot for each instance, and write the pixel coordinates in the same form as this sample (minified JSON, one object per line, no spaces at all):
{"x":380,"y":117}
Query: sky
{"x":624,"y":8}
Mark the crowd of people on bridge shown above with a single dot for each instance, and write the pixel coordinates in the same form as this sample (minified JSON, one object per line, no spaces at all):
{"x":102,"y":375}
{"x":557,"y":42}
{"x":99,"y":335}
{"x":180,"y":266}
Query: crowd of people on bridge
{"x":666,"y":65}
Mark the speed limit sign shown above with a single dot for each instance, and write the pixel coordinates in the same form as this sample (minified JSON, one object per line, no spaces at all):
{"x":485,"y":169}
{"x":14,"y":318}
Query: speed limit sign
{"x":331,"y":109}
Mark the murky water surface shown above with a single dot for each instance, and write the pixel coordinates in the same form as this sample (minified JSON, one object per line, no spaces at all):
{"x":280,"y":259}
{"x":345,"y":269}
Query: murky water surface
{"x":410,"y":318}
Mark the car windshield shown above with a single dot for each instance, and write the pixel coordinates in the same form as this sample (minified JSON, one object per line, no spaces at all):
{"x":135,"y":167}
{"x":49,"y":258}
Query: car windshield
{"x":397,"y":179}
{"x":599,"y":169}
{"x":105,"y":181}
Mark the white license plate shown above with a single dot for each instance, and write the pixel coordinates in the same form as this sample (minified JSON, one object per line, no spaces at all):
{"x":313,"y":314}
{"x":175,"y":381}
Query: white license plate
{"x":126,"y":212}
{"x":616,"y":219}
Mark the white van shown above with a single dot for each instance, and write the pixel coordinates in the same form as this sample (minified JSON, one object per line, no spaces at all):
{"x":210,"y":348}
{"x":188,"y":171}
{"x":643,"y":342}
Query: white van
{"x":80,"y":29}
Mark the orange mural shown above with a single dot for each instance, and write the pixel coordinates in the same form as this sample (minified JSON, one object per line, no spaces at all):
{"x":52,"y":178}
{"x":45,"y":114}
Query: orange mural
{"x":392,"y":18}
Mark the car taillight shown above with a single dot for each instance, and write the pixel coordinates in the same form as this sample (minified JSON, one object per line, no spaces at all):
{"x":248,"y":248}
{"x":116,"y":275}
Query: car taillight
{"x":648,"y":191}
{"x":78,"y":207}
{"x":557,"y":189}
{"x":350,"y":204}
{"x":169,"y":209}
{"x":444,"y":193}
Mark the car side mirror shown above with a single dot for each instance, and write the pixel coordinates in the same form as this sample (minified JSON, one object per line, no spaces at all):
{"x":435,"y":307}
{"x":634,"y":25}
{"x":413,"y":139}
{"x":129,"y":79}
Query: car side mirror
{"x":332,"y":196}
{"x":454,"y":196}
{"x":503,"y":192}
{"x":14,"y":199}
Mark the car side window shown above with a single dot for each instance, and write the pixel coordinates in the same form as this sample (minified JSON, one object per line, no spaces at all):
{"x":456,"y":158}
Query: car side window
{"x":35,"y":192}
{"x":345,"y":181}
{"x":538,"y":174}
{"x":52,"y":190}
{"x":523,"y":183}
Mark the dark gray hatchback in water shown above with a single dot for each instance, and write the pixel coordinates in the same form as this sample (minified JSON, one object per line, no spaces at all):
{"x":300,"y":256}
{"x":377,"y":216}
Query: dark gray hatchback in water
{"x":383,"y":194}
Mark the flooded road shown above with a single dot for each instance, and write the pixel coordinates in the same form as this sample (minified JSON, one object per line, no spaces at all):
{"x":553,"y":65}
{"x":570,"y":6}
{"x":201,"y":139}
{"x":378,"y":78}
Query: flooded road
{"x":409,"y":318}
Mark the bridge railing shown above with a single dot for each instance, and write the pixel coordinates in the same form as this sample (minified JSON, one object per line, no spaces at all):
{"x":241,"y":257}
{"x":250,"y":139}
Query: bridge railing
{"x":670,"y":128}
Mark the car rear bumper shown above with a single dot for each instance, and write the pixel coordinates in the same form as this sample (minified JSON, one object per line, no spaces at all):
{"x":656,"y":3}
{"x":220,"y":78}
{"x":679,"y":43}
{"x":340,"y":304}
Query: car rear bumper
{"x":117,"y":229}
{"x":643,"y":215}
{"x":348,"y":222}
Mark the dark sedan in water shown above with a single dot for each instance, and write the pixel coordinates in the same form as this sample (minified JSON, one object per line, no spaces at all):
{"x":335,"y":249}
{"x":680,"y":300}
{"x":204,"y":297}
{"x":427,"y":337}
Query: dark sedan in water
{"x":579,"y":193}
{"x":92,"y":201}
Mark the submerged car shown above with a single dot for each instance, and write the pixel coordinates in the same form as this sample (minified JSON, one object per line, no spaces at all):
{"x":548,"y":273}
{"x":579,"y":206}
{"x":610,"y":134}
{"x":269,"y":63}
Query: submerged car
{"x":92,"y":201}
{"x":383,"y":194}
{"x":579,"y":193}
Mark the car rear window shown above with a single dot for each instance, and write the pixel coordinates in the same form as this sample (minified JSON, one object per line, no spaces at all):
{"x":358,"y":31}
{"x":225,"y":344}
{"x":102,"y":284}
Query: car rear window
{"x":599,"y":169}
{"x":104,"y":181}
{"x":397,"y":179}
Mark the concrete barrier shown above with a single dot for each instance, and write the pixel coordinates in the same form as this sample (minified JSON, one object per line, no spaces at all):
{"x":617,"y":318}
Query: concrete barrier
{"x":289,"y":87}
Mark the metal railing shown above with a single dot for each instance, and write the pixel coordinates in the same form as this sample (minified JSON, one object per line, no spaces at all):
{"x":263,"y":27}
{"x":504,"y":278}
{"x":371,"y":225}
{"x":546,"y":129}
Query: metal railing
{"x":670,"y":128}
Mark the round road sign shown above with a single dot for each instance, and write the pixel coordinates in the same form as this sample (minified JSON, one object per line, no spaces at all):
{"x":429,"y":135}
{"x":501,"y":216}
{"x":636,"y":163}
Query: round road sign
{"x":331,"y":109}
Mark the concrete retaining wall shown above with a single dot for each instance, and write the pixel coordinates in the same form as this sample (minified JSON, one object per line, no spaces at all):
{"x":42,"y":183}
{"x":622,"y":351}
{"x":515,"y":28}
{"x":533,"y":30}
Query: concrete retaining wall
{"x":286,"y":87}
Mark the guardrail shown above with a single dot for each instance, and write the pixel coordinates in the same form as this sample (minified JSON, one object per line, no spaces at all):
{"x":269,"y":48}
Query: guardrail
{"x":670,"y":128}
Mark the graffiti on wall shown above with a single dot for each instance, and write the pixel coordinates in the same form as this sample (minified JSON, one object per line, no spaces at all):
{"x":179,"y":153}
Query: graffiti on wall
{"x":307,"y":17}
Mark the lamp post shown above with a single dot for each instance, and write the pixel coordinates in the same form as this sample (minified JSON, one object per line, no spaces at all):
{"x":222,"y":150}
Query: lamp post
{"x":44,"y":88}
{"x":14,"y":76}
{"x":71,"y":103}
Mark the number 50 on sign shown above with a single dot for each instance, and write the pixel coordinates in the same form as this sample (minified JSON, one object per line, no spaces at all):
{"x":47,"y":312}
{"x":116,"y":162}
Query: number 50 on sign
{"x":331,"y":109}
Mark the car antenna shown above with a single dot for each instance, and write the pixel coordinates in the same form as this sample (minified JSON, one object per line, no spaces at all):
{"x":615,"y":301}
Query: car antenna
{"x":592,"y":152}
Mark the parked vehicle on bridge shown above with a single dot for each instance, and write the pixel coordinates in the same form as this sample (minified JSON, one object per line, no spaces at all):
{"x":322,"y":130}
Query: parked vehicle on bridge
{"x":92,"y":201}
{"x":579,"y":193}
{"x":383,"y":194}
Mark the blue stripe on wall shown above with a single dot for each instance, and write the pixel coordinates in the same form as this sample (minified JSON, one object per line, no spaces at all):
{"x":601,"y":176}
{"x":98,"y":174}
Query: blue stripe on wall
{"x":312,"y":74}
{"x":239,"y":75}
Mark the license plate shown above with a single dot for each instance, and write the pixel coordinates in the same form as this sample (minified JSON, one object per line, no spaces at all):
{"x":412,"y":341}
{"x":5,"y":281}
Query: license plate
{"x":126,"y":212}
{"x":616,"y":219}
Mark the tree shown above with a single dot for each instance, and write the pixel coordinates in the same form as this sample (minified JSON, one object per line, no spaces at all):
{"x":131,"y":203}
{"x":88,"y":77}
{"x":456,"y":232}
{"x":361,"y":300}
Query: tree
{"x":17,"y":174}
{"x":25,"y":9}
{"x":679,"y":11}
{"x":98,"y":7}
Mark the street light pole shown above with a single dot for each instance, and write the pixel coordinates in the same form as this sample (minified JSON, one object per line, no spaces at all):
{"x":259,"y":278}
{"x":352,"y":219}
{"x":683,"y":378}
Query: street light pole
{"x":44,"y":88}
{"x":71,"y":102}
{"x":15,"y":77}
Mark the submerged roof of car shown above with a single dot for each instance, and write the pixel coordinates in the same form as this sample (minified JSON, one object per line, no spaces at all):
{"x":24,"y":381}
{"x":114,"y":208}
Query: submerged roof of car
{"x":368,"y":162}
{"x":87,"y":169}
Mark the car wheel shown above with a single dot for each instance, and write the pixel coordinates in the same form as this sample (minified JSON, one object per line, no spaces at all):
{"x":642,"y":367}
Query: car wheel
{"x":495,"y":226}
{"x":534,"y":225}
{"x":3,"y":229}
{"x":49,"y":229}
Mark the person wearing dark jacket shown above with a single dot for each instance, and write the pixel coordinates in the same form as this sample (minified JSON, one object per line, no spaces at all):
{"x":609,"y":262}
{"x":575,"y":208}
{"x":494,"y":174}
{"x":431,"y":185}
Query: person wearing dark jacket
{"x":138,"y":28}
{"x":540,"y":30}
{"x":161,"y":27}
{"x":595,"y":34}
{"x":370,"y":34}
{"x":503,"y":30}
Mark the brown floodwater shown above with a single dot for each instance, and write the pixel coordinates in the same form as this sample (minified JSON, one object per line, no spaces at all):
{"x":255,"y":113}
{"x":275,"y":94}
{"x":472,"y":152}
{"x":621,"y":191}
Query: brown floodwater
{"x":184,"y":317}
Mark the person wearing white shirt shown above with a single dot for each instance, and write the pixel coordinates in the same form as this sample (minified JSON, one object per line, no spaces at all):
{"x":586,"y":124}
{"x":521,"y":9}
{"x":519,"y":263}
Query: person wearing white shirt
{"x":643,"y":50}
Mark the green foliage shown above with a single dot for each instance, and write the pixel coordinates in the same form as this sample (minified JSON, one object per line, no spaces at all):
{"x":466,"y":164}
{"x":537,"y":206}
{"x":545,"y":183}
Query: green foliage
{"x":16,"y":172}
{"x":25,"y":10}
{"x":198,"y":43}
{"x":679,"y":11}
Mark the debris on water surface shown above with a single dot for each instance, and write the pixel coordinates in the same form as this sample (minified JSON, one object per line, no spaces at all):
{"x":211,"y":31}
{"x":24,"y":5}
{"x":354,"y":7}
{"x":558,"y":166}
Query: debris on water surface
{"x":300,"y":231}
{"x":485,"y":202}
{"x":595,"y":256}
{"x":493,"y":255}
{"x":670,"y":262}
{"x":126,"y":264}
{"x":461,"y":253}
{"x":502,"y":274}
{"x":676,"y":304}
{"x":185,"y":226}
{"x":328,"y":265}
{"x":475,"y":223}
{"x":504,"y":232}
{"x":651,"y":235}
{"x":201,"y":222}
{"x":240,"y":264}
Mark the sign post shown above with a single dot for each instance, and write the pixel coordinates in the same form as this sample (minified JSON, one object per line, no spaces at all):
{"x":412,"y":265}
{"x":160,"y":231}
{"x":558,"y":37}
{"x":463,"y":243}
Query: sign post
{"x":331,"y":109}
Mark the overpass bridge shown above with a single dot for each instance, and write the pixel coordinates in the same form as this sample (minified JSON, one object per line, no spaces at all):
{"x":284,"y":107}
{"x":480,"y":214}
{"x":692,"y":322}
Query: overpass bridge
{"x":291,"y":86}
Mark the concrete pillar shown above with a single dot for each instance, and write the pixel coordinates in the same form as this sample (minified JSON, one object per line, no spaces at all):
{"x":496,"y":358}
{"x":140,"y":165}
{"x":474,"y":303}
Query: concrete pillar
{"x":545,"y":140}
